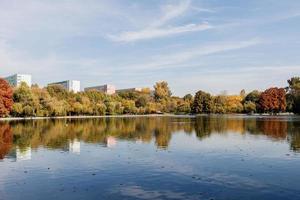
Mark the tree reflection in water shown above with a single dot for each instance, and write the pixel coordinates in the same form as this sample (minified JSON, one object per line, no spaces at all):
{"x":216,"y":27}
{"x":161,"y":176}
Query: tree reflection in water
{"x":6,"y":139}
{"x":57,"y":134}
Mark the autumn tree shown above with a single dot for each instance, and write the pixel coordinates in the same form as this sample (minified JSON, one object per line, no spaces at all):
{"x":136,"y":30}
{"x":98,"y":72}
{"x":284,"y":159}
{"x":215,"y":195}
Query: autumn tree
{"x":234,"y":104}
{"x":273,"y":100}
{"x":162,"y":91}
{"x":6,"y":100}
{"x":203,"y":103}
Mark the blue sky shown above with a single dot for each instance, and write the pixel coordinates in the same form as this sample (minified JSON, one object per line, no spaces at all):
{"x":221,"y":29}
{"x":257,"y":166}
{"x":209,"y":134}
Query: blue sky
{"x":213,"y":45}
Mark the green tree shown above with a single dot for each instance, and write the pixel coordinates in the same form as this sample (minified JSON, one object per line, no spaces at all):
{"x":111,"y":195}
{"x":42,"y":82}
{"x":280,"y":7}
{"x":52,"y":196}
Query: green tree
{"x":202,"y":103}
{"x":59,"y":92}
{"x":188,"y":97}
{"x":100,"y":109}
{"x":250,"y":107}
{"x":293,"y":96}
{"x":253,"y":96}
{"x":142,"y":101}
{"x":129,"y":107}
{"x":183,"y":107}
{"x":17,"y":110}
{"x":23,"y":94}
{"x":30,"y":102}
{"x":219,"y":104}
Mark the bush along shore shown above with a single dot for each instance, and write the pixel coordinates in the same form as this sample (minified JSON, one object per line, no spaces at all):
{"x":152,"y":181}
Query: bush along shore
{"x":55,"y":101}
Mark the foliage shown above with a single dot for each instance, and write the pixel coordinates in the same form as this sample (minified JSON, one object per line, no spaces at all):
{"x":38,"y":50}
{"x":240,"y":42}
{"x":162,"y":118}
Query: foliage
{"x":6,"y":100}
{"x":162,"y":91}
{"x":250,"y":107}
{"x":273,"y":100}
{"x":219,"y":104}
{"x":56,"y":101}
{"x":253,"y":96}
{"x":234,"y":104}
{"x":188,"y":97}
{"x":142,"y":100}
{"x":203,"y":103}
{"x":293,"y":96}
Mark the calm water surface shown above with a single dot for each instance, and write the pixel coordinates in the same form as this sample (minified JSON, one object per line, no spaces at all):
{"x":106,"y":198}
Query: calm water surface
{"x":228,"y":157}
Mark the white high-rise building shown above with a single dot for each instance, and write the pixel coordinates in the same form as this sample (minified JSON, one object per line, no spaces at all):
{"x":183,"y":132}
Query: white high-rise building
{"x":16,"y":79}
{"x":70,"y":85}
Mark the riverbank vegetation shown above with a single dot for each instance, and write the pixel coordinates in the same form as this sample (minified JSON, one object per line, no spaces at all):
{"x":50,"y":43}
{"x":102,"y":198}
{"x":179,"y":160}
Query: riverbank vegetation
{"x":25,"y":101}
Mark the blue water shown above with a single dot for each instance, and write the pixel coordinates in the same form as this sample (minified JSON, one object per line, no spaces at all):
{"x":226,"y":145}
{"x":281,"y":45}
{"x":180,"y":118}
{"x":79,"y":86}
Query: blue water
{"x":217,"y":157}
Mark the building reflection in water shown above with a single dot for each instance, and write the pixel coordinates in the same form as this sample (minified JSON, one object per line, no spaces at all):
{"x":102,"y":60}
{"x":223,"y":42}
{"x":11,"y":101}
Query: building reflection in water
{"x":23,"y":154}
{"x":19,"y":154}
{"x":74,"y":146}
{"x":111,"y":141}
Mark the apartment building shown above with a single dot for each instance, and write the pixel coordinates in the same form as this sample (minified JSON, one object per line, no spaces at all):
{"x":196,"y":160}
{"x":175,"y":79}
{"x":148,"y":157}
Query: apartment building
{"x":70,"y":85}
{"x":16,"y":79}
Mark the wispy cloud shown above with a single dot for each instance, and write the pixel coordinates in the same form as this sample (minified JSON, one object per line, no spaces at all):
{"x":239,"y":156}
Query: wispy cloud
{"x":171,"y":11}
{"x":159,"y":28}
{"x":151,"y":33}
{"x":174,"y":59}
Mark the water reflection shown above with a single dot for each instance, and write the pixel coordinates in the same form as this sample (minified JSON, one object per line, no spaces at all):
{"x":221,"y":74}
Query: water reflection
{"x":6,"y":139}
{"x":17,"y":139}
{"x":74,"y":146}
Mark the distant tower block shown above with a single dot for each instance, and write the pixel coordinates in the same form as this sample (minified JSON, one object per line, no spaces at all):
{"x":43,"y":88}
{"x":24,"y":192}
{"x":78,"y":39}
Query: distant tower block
{"x":70,"y":85}
{"x":16,"y":79}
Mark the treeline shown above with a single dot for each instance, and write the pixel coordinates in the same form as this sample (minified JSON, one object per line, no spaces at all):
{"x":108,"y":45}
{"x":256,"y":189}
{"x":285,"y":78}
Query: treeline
{"x":25,"y":101}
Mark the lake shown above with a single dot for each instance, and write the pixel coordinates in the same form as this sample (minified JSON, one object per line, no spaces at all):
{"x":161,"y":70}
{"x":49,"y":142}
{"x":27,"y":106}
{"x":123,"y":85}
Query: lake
{"x":208,"y":157}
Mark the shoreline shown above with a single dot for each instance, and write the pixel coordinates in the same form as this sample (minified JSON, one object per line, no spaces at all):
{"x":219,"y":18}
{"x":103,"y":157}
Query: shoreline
{"x":93,"y":117}
{"x":147,"y":115}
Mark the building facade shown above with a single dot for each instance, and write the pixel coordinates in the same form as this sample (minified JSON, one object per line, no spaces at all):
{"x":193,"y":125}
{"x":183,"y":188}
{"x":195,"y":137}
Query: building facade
{"x":107,"y":89}
{"x":16,"y":79}
{"x":70,"y":85}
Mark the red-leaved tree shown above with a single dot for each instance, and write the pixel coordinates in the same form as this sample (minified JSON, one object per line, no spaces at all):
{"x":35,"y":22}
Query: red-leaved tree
{"x":273,"y":100}
{"x":6,"y":98}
